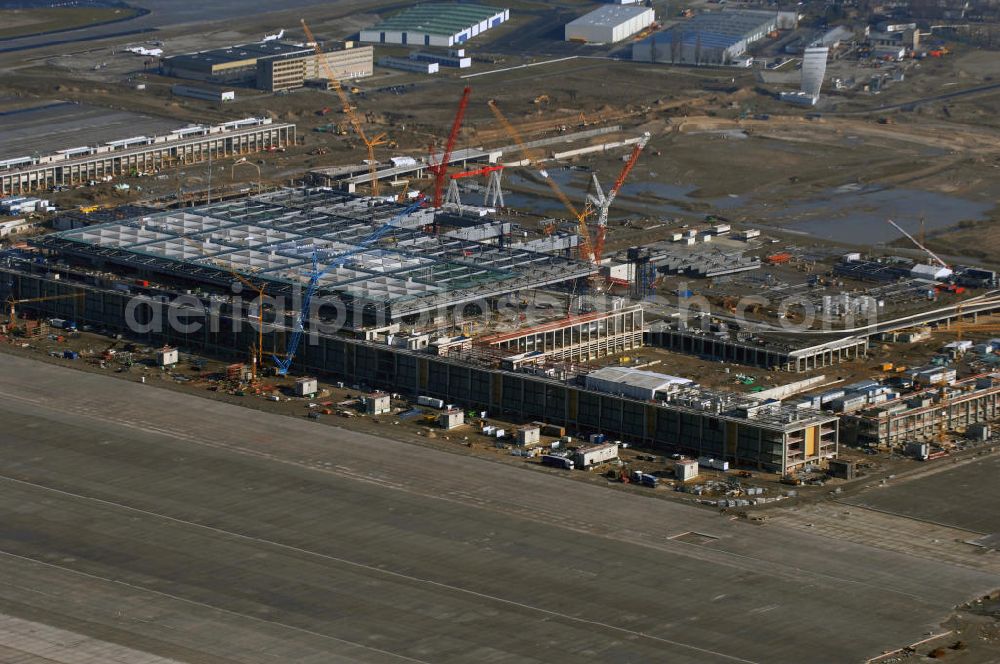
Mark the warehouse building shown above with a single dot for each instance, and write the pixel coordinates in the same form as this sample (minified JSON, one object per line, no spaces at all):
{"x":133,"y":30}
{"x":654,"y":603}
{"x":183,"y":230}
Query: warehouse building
{"x":610,"y":24}
{"x":437,"y":24}
{"x":712,"y":38}
{"x":142,"y":154}
{"x":271,"y":65}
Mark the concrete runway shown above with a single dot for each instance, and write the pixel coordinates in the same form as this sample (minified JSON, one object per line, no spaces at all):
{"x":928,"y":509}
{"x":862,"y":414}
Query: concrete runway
{"x":961,"y":496}
{"x":140,"y":520}
{"x":162,"y":14}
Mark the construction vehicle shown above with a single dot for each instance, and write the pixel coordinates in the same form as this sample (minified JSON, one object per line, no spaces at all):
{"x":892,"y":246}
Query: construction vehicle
{"x":540,"y":99}
{"x":603,"y":202}
{"x":585,"y":247}
{"x":441,"y":168}
{"x":370,"y":142}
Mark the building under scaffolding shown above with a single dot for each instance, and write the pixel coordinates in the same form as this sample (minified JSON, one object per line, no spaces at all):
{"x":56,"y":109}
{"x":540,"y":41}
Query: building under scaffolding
{"x":142,"y":154}
{"x":927,"y":415}
{"x":272,"y":238}
{"x":576,"y":338}
{"x":732,"y":427}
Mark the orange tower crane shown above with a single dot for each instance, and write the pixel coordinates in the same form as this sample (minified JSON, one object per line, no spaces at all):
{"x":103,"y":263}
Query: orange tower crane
{"x":604,"y":202}
{"x":441,"y":168}
{"x":371,"y":142}
{"x":586,"y":252}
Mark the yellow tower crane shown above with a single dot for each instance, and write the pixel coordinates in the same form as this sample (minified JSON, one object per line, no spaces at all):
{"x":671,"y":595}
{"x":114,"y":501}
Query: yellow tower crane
{"x":12,"y":304}
{"x":371,"y":142}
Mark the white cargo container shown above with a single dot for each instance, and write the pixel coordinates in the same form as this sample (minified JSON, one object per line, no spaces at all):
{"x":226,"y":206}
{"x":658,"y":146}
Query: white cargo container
{"x":430,"y":401}
{"x":306,"y":387}
{"x":528,"y":435}
{"x":686,"y":470}
{"x":709,"y":462}
{"x":451,"y":419}
{"x":167,"y":357}
{"x":586,"y":457}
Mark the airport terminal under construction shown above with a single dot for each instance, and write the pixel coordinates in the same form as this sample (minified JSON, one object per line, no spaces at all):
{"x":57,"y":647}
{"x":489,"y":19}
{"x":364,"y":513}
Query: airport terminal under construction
{"x":404,"y":282}
{"x":388,"y":289}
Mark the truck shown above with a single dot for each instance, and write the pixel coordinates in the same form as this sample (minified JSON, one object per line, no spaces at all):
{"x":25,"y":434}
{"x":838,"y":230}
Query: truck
{"x":557,"y":461}
{"x":62,"y":324}
{"x":645,"y":479}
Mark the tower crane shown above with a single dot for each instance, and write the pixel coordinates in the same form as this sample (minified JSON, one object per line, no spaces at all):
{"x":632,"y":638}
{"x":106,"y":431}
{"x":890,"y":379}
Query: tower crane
{"x":283,"y":364}
{"x":912,"y":239}
{"x":603,"y":202}
{"x":441,"y":168}
{"x":586,"y":252}
{"x":12,"y":304}
{"x":371,"y":142}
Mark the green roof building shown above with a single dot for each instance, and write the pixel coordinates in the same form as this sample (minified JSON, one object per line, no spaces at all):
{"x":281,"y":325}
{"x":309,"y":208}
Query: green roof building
{"x":436,"y":24}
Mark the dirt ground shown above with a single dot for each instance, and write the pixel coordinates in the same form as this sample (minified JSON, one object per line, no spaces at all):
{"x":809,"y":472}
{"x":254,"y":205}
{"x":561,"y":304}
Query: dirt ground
{"x":693,"y":115}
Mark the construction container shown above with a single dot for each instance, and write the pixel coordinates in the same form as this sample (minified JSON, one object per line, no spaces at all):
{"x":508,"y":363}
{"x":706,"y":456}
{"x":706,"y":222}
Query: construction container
{"x":430,"y":401}
{"x":557,"y":461}
{"x":306,"y":387}
{"x":167,"y":357}
{"x":686,"y":470}
{"x":377,"y":404}
{"x":528,"y":435}
{"x":717,"y":464}
{"x":593,"y":456}
{"x":451,"y":419}
{"x":554,"y":430}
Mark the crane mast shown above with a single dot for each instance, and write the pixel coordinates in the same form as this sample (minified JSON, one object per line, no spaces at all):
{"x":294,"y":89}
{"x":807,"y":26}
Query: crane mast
{"x":912,"y":239}
{"x":586,"y":251}
{"x":371,"y":142}
{"x":441,"y":168}
{"x":606,"y":201}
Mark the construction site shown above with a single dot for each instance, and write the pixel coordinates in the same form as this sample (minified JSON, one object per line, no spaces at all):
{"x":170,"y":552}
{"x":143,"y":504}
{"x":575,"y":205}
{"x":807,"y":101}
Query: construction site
{"x":652,"y":270}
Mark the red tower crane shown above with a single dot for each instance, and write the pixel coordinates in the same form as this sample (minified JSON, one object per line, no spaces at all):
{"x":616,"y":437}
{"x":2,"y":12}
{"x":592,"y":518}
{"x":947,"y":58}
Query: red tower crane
{"x":604,"y":202}
{"x":441,"y":168}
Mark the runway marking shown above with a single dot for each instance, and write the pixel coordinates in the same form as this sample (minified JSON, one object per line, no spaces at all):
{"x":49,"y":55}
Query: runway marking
{"x":682,"y":547}
{"x":352,"y":563}
{"x":211,"y":607}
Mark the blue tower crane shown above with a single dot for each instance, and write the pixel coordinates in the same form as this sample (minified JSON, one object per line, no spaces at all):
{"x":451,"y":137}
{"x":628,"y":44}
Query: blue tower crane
{"x":282,"y":364}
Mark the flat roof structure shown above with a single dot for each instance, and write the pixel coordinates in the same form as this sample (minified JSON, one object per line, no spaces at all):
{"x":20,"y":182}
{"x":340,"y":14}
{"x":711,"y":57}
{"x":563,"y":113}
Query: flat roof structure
{"x":384,"y":258}
{"x":78,"y":163}
{"x":436,"y":24}
{"x":631,"y":382}
{"x":46,"y":127}
{"x":709,"y":38}
{"x":242,"y":55}
{"x":610,"y":23}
